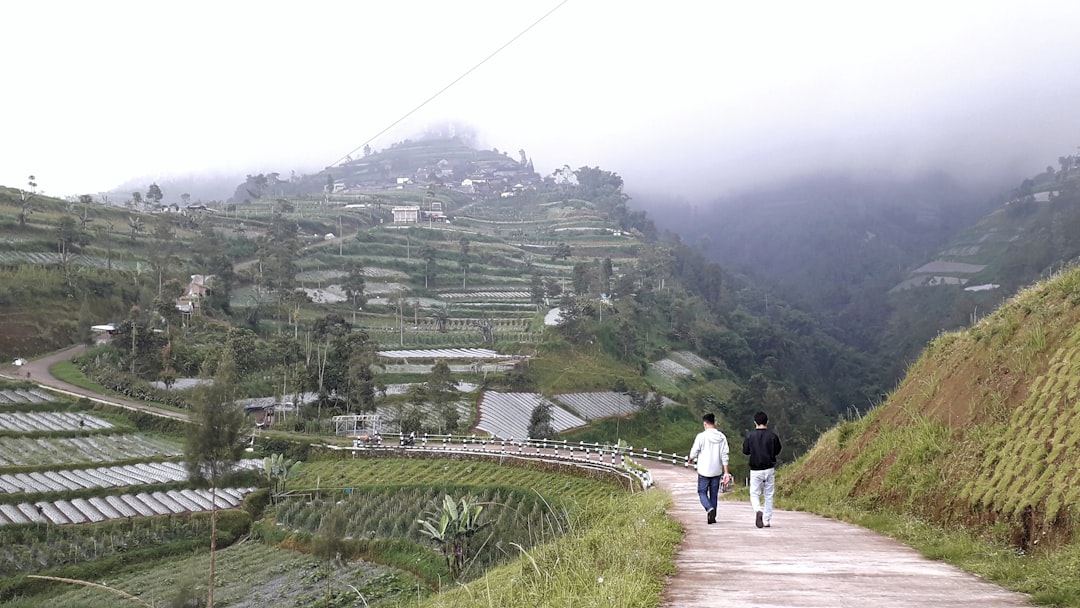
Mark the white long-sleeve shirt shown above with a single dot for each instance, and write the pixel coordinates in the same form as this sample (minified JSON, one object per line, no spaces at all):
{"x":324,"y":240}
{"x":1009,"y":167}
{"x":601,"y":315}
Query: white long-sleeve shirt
{"x":710,"y":453}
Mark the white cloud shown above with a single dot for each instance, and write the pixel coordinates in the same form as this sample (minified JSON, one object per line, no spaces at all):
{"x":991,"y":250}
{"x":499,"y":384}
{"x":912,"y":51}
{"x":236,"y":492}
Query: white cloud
{"x":703,"y":94}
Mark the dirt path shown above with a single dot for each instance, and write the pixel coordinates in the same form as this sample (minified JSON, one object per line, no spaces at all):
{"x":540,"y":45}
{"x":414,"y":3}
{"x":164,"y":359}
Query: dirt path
{"x":37,"y":371}
{"x":804,"y":561}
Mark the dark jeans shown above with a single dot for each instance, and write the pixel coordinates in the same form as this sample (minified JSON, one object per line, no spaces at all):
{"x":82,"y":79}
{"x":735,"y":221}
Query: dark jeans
{"x":708,"y":489}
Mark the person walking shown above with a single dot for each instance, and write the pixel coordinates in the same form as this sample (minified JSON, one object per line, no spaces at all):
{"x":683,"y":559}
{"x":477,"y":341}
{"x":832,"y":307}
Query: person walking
{"x":762,"y":445}
{"x":710,"y":456}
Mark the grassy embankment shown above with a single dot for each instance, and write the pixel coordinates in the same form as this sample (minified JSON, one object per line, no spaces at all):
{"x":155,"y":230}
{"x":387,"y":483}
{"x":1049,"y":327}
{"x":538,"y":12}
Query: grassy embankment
{"x":970,"y":459}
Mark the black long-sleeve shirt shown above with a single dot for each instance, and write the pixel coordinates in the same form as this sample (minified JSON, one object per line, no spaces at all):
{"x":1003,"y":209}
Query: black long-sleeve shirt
{"x":763,"y":446}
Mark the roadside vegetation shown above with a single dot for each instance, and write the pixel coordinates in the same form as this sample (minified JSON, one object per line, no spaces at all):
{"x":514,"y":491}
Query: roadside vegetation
{"x":968,"y":458}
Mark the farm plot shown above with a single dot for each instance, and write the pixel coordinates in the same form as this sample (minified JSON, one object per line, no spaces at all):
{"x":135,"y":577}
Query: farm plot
{"x":486,"y":295}
{"x":249,"y":575}
{"x":443,"y":353}
{"x":27,"y":451}
{"x":101,"y":477}
{"x":506,"y":415}
{"x":38,"y":422}
{"x":459,"y":368}
{"x":10,"y":396}
{"x":97,"y":509}
{"x":669,"y":369}
{"x":53,"y":259}
{"x":597,"y":405}
{"x":432,"y":420}
{"x":689,"y":360}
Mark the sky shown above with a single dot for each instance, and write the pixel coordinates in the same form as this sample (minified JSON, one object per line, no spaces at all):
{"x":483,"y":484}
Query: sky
{"x":694,"y":99}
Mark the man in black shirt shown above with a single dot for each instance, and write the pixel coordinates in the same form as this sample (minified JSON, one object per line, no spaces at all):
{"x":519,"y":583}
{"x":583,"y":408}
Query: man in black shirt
{"x":762,"y":445}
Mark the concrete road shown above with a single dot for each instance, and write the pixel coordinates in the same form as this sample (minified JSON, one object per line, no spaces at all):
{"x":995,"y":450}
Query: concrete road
{"x":804,"y":561}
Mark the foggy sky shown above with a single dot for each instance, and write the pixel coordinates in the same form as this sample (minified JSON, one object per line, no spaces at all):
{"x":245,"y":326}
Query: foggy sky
{"x":694,"y":98}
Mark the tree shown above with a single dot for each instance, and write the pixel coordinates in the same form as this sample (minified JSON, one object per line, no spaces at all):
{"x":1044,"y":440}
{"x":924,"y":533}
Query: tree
{"x":581,"y":279}
{"x":486,"y":327}
{"x":277,"y":470}
{"x":540,"y":422}
{"x":441,"y":316}
{"x":135,"y":226}
{"x":562,"y":251}
{"x":452,"y":528}
{"x":329,"y":541}
{"x":428,"y":253}
{"x":154,"y":194}
{"x":353,"y":285}
{"x":464,"y":261}
{"x":26,"y":202}
{"x":136,"y":198}
{"x":536,"y":290}
{"x":214,"y":445}
{"x":552,"y":287}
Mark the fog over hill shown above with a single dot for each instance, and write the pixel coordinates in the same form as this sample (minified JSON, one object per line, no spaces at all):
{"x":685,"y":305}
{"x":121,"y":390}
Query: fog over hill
{"x":719,"y":99}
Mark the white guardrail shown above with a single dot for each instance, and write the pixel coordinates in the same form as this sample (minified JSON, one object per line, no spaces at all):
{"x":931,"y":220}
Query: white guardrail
{"x":620,"y":459}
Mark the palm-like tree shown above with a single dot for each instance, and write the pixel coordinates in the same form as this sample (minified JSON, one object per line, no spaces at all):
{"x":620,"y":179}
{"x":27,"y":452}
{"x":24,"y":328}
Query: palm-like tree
{"x":441,"y":317}
{"x":135,"y":225}
{"x":452,"y":528}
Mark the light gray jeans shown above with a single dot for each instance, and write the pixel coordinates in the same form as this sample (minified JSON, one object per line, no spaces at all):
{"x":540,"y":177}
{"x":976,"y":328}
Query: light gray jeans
{"x":762,"y":482}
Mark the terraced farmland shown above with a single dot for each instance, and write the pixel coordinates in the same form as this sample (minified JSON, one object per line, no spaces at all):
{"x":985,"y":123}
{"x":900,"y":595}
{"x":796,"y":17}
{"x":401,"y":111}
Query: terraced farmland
{"x":99,"y":509}
{"x":43,"y":451}
{"x":31,"y":422}
{"x":10,"y":396}
{"x":506,"y":415}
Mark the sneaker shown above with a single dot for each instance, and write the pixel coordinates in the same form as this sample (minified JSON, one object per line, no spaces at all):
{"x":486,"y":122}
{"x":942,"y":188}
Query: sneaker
{"x":758,"y":521}
{"x":712,"y":516}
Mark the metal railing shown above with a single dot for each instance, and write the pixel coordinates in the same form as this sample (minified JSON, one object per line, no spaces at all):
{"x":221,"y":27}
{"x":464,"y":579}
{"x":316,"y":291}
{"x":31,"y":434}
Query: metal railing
{"x":619,"y":458}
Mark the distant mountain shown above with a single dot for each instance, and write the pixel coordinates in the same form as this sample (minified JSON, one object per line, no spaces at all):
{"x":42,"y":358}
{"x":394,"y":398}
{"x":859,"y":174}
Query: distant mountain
{"x":832,"y":245}
{"x":202,"y":187}
{"x":432,"y":161}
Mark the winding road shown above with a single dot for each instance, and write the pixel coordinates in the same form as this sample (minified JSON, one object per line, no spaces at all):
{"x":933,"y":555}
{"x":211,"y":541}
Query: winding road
{"x":801,"y":561}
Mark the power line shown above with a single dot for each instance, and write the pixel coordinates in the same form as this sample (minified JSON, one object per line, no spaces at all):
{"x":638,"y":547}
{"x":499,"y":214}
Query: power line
{"x":452,"y":83}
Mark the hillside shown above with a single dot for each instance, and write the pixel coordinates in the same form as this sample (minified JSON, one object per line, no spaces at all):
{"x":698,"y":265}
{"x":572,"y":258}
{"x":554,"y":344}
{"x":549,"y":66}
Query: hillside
{"x":979,"y":435}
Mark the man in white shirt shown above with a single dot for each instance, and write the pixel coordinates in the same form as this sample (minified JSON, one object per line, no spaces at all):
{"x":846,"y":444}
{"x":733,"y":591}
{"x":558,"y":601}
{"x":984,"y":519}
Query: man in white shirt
{"x":710,"y":455}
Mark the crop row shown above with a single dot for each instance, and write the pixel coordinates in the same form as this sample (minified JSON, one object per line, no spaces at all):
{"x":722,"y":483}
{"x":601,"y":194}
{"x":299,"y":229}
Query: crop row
{"x":43,"y":451}
{"x":9,"y":396}
{"x":36,"y":422}
{"x":487,"y":295}
{"x":507,"y":415}
{"x":32,"y":548}
{"x":49,"y":258}
{"x":101,"y":477}
{"x":98,"y":509}
{"x":513,"y":516}
{"x":443,"y":353}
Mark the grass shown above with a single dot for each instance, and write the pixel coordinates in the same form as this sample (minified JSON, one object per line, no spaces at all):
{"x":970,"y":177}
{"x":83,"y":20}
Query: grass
{"x":66,"y":371}
{"x":969,"y":459}
{"x":616,"y":553}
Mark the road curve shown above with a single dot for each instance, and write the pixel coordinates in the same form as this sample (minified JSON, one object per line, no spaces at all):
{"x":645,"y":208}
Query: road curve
{"x":804,"y":561}
{"x":37,"y":371}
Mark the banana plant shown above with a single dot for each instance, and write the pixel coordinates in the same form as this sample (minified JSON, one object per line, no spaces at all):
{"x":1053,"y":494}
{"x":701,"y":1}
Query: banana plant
{"x":452,"y":528}
{"x":277,"y":470}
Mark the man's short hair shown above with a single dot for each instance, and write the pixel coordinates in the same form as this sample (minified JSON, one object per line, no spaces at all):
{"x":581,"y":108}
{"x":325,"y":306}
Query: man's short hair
{"x":709,"y":418}
{"x":761,"y":418}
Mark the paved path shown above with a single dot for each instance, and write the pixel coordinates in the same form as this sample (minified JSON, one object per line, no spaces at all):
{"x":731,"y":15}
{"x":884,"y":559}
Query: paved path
{"x":38,"y":371}
{"x":804,"y":561}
